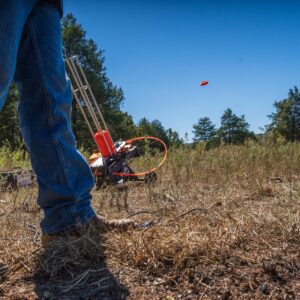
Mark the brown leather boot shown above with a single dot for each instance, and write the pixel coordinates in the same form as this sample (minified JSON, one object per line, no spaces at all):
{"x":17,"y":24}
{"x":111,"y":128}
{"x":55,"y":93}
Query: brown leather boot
{"x":97,"y":225}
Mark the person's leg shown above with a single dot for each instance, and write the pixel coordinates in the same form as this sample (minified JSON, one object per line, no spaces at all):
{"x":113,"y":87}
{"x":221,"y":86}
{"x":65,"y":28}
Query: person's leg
{"x":13,"y":16}
{"x":64,"y":177}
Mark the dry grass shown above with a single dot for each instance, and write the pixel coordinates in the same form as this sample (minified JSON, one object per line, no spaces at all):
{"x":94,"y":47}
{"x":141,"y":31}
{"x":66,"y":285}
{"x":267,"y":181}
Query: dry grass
{"x":227,"y":227}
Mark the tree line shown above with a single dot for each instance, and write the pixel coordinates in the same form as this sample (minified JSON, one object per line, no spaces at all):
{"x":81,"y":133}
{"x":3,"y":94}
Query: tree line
{"x":285,"y":122}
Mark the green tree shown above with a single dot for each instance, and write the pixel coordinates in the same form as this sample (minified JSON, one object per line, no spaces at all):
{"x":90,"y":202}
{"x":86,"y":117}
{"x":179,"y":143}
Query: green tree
{"x":154,"y":128}
{"x":204,"y":130}
{"x":173,"y":137}
{"x":234,"y":129}
{"x":286,"y":119}
{"x":9,"y":125}
{"x":144,"y":127}
{"x":123,"y":126}
{"x":159,"y":131}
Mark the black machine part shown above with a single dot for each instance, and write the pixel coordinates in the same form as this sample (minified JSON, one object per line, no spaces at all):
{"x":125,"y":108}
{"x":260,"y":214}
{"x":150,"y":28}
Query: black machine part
{"x":118,"y":163}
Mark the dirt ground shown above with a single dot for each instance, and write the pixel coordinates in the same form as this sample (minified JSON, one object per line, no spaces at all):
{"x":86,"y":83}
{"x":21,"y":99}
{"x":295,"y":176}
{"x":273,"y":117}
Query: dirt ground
{"x":221,"y":233}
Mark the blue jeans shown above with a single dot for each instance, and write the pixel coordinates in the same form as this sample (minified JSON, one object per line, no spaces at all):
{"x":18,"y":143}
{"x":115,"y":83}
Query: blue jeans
{"x":31,"y":56}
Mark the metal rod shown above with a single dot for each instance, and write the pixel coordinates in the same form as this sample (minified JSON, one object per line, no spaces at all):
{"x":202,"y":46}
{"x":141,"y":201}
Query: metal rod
{"x":82,"y":86}
{"x":93,"y":98}
{"x":82,"y":89}
{"x":83,"y":112}
{"x":84,"y":96}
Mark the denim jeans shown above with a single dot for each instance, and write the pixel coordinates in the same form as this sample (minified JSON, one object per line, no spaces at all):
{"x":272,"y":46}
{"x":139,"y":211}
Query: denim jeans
{"x":31,"y":56}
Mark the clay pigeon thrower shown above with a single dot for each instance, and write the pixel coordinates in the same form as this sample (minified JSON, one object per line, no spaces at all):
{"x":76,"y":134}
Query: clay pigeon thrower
{"x":111,"y":162}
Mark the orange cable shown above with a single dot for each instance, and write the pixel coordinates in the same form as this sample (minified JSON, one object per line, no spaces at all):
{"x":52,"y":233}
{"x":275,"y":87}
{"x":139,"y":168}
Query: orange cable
{"x":153,"y":169}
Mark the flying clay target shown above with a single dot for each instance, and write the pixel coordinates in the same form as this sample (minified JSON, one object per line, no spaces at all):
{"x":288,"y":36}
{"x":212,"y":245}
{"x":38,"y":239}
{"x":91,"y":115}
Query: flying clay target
{"x":203,"y":83}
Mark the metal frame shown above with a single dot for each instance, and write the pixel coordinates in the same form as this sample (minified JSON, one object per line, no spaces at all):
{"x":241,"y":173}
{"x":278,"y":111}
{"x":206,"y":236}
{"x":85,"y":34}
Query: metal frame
{"x":82,"y":91}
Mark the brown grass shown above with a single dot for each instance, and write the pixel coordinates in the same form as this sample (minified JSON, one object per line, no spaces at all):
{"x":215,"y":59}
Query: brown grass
{"x":227,"y":227}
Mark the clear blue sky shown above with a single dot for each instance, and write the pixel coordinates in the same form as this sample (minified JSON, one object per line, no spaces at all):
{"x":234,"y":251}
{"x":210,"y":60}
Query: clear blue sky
{"x":159,"y":50}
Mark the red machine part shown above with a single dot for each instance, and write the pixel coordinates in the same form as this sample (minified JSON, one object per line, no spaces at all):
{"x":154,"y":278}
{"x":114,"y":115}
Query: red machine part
{"x":106,"y":149}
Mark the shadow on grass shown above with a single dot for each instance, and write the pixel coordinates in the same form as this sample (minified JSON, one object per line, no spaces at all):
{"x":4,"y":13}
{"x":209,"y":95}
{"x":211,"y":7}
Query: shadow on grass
{"x":75,"y":268}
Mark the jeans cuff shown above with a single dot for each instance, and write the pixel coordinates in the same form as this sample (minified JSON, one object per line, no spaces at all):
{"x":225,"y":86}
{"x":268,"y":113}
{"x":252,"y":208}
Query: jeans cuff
{"x":66,"y":221}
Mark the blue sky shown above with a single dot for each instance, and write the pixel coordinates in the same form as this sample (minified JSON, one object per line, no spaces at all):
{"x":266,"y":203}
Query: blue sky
{"x":159,"y":51}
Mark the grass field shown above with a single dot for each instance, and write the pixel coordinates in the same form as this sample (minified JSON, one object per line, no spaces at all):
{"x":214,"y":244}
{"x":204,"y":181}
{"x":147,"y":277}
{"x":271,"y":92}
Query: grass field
{"x":227,"y":227}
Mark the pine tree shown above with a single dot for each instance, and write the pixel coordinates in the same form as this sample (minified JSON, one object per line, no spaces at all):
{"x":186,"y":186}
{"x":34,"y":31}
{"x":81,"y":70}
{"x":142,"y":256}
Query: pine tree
{"x":154,"y":128}
{"x":234,"y":129}
{"x":286,"y":119}
{"x":204,"y":130}
{"x":174,"y":138}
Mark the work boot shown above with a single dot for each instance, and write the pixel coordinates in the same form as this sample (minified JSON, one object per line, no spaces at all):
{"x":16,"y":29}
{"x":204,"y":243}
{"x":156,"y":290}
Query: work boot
{"x":98,"y":225}
{"x":106,"y":225}
{"x":3,"y":269}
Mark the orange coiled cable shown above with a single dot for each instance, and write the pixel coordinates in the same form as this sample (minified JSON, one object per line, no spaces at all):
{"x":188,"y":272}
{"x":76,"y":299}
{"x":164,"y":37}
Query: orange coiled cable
{"x":153,"y":169}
